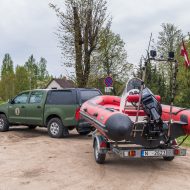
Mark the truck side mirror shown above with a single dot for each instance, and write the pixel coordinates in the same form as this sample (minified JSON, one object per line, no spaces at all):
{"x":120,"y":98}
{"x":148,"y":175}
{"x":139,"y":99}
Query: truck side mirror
{"x":11,"y":101}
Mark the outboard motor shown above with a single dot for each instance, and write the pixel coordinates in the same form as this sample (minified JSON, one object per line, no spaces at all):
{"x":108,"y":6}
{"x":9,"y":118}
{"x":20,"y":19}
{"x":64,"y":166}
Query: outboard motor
{"x":151,"y":106}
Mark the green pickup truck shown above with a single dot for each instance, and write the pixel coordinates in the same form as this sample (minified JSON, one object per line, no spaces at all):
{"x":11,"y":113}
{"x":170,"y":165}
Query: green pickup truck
{"x":58,"y":110}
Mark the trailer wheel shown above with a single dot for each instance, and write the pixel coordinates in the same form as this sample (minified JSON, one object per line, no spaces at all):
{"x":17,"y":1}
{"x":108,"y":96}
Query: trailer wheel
{"x":168,"y":158}
{"x":99,"y":157}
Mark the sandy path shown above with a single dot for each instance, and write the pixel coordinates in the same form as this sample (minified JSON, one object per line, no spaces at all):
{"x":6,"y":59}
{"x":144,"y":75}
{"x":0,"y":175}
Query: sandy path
{"x":31,"y":160}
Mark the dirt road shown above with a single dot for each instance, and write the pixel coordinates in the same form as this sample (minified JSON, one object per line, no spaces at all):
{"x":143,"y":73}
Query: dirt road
{"x":30,"y":160}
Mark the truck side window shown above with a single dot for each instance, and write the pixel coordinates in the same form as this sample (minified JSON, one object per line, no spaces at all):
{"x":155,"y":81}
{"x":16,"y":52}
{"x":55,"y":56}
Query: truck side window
{"x":36,"y":97}
{"x":61,"y":98}
{"x":88,"y":94}
{"x":21,"y":99}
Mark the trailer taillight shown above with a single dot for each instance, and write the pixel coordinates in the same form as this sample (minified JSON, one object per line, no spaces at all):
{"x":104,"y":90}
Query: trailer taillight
{"x":132,"y":153}
{"x":177,"y":152}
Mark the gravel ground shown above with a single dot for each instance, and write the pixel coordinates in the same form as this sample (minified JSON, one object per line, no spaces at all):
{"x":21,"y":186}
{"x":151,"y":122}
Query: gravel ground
{"x":32,"y":160}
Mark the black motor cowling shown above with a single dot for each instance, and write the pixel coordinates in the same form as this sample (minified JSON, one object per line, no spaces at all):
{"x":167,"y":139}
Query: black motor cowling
{"x":151,"y":106}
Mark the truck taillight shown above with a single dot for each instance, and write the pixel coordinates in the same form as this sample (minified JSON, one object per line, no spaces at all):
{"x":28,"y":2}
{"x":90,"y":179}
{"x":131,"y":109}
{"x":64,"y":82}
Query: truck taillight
{"x":77,"y":114}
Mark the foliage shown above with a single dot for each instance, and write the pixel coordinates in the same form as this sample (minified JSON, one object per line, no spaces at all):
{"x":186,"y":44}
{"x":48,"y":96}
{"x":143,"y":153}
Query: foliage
{"x":43,"y":76}
{"x":183,"y":80}
{"x":169,"y":40}
{"x":79,"y":32}
{"x":31,"y":75}
{"x":110,"y":59}
{"x":159,"y":75}
{"x":111,"y":56}
{"x":7,"y":78}
{"x":22,"y":81}
{"x":32,"y":70}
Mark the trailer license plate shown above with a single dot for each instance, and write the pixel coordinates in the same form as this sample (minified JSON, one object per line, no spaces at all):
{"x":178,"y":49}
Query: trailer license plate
{"x":149,"y":153}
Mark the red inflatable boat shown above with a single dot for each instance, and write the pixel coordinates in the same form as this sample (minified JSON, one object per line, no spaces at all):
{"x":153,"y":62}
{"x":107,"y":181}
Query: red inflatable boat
{"x":120,"y":119}
{"x":178,"y":114}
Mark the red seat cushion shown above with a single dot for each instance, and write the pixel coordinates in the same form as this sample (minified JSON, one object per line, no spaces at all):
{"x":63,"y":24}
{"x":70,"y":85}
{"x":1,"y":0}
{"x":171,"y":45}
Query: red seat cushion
{"x":134,"y":112}
{"x":135,"y":98}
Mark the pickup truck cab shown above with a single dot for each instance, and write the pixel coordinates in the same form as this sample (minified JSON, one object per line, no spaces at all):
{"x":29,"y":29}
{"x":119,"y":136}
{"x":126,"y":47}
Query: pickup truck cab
{"x":58,"y":110}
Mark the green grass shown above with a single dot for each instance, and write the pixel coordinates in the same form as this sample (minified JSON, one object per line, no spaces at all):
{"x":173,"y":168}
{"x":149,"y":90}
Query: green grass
{"x":1,"y":102}
{"x":186,"y":143}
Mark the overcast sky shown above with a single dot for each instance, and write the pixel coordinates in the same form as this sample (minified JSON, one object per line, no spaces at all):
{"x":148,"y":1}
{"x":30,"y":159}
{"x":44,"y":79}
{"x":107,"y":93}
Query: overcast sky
{"x":27,"y":27}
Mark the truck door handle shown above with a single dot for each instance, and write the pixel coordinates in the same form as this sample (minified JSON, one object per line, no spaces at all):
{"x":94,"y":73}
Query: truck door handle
{"x":38,"y":107}
{"x":22,"y":106}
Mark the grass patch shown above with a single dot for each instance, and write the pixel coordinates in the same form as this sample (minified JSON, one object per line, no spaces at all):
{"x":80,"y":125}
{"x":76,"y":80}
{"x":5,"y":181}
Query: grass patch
{"x":1,"y":102}
{"x":186,"y":143}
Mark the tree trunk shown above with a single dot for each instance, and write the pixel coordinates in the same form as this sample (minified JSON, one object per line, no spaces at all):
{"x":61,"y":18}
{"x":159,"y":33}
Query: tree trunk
{"x":78,"y":47}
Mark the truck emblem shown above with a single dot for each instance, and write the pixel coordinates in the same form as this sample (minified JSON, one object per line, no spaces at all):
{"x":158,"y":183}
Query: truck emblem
{"x":17,"y":111}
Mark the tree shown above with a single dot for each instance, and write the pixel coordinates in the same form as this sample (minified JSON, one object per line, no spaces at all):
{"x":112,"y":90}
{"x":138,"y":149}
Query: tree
{"x":183,"y":82}
{"x":32,"y":70}
{"x":43,"y":76}
{"x":42,"y":69}
{"x":7,"y":78}
{"x":154,"y":79}
{"x":79,"y":31}
{"x":168,"y":40}
{"x":111,"y":56}
{"x":22,"y":81}
{"x":110,"y":59}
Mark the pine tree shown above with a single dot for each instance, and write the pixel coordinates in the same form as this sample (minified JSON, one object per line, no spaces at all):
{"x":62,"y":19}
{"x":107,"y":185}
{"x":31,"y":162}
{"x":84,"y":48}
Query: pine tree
{"x":32,"y":70}
{"x":21,"y":79}
{"x":168,"y":40}
{"x":7,"y":78}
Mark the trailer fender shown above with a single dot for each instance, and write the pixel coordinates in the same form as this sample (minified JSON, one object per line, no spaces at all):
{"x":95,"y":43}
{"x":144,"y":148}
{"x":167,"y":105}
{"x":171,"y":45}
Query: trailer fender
{"x":101,"y":142}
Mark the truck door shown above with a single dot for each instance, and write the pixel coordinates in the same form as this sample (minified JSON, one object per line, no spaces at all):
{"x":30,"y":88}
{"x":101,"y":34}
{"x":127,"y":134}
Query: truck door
{"x":17,"y":109}
{"x":35,"y":108}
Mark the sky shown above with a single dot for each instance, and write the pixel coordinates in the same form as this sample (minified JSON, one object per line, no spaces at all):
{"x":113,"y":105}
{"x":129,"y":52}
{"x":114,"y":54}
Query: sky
{"x":28,"y":27}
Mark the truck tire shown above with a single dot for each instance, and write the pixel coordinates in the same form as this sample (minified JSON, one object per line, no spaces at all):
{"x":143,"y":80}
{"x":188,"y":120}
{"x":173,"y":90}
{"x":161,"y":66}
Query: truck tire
{"x":168,"y":158}
{"x":56,"y":129}
{"x":32,"y":126}
{"x":4,"y":123}
{"x":99,"y":157}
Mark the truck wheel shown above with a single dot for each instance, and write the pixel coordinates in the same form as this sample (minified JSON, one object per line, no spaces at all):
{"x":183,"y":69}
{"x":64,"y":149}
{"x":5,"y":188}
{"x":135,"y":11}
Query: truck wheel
{"x":99,"y":157}
{"x":168,"y":158}
{"x":32,"y":126}
{"x":56,"y":128}
{"x":4,"y":123}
